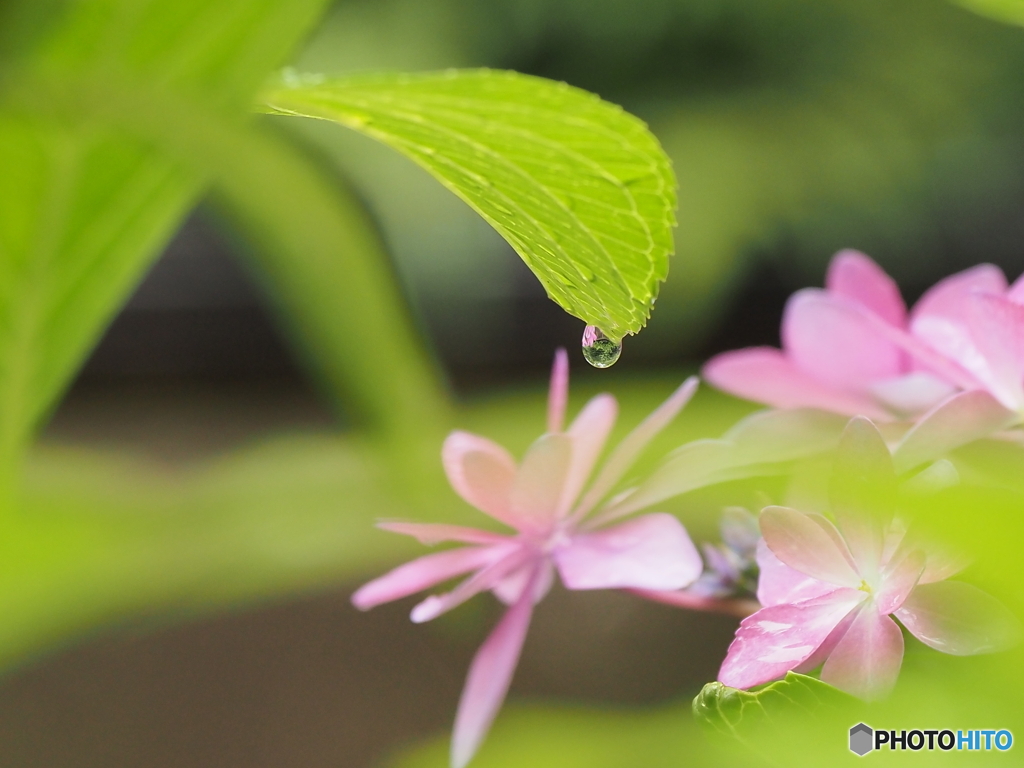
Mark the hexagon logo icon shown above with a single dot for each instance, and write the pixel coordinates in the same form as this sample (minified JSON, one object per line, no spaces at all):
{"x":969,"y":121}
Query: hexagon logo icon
{"x":861,"y":739}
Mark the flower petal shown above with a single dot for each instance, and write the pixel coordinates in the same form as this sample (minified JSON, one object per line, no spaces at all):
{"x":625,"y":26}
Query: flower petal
{"x":510,"y":588}
{"x":834,"y":345}
{"x":512,"y":558}
{"x":862,"y":491}
{"x":779,"y":638}
{"x":867,"y":660}
{"x":481,"y":472}
{"x":958,"y":618}
{"x":589,"y":432}
{"x":423,"y":573}
{"x":766,"y":375}
{"x":946,"y":297}
{"x":433,"y":533}
{"x":912,"y":393}
{"x":855,"y":276}
{"x":650,"y":552}
{"x":899,"y":578}
{"x":959,"y":420}
{"x":538,"y":488}
{"x":807,"y":545}
{"x":626,"y":452}
{"x":777,"y":583}
{"x":558,"y":393}
{"x":488,"y":680}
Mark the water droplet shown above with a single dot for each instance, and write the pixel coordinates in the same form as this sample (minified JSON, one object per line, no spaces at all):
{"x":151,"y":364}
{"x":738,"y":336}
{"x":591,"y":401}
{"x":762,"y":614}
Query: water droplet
{"x":598,"y":349}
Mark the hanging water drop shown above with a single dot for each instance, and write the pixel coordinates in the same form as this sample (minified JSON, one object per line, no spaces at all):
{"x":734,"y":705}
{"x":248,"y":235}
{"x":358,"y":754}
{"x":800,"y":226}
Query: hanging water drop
{"x":598,"y":349}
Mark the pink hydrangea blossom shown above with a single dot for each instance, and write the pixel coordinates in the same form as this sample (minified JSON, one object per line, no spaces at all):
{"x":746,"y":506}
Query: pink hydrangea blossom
{"x":830,"y":589}
{"x":853,"y":348}
{"x":547,"y":502}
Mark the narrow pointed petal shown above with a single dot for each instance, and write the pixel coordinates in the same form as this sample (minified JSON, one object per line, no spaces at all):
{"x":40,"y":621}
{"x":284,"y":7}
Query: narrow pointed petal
{"x":488,"y":681}
{"x":767,"y":375}
{"x":862,"y":492}
{"x":481,"y":472}
{"x":493,"y":572}
{"x":434,"y":533}
{"x":958,"y":618}
{"x":538,"y":488}
{"x":1016,"y":291}
{"x":834,"y":345}
{"x":558,"y":394}
{"x":589,"y":432}
{"x":627,"y":452}
{"x":777,"y":583}
{"x":946,"y":297}
{"x":855,"y":276}
{"x":650,"y":552}
{"x":899,"y":578}
{"x":779,"y":638}
{"x":423,"y":573}
{"x":959,"y":420}
{"x":805,"y":544}
{"x":867,"y":660}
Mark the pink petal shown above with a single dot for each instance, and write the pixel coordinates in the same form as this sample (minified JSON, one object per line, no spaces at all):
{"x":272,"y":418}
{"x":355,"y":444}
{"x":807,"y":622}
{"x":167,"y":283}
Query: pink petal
{"x":1016,"y":291}
{"x":855,"y":276}
{"x":766,"y":375}
{"x":488,"y":681}
{"x":946,"y":297}
{"x":779,"y":638}
{"x":558,"y":394}
{"x":899,"y":578}
{"x":423,"y":573}
{"x":912,"y":393}
{"x":650,"y":552}
{"x":941,"y":563}
{"x":539,"y":485}
{"x":958,"y":618}
{"x":777,"y":583}
{"x":834,"y":345}
{"x":961,"y":419}
{"x":629,"y":449}
{"x":433,"y":533}
{"x":589,"y":432}
{"x":808,"y":545}
{"x":481,"y":581}
{"x":481,"y":472}
{"x":997,"y":329}
{"x":862,"y":492}
{"x":866,"y":661}
{"x":510,"y":588}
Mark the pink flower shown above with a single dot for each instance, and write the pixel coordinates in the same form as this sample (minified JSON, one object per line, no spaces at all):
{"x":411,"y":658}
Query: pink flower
{"x":853,"y":349}
{"x":543,"y":501}
{"x":830,"y":590}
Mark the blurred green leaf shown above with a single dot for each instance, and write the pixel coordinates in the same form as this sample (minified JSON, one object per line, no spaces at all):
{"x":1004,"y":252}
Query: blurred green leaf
{"x":1010,"y":11}
{"x":85,"y":207}
{"x":580,"y":188}
{"x":739,"y":714}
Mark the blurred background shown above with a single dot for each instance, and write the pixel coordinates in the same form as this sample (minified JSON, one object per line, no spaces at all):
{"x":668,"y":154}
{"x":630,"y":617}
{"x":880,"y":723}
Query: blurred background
{"x":796,"y":128}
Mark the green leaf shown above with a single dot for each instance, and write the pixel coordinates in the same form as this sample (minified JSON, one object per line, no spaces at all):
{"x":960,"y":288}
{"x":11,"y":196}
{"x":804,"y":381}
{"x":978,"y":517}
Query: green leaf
{"x":1009,"y":11}
{"x":105,"y":148}
{"x":580,"y":188}
{"x":741,"y":714}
